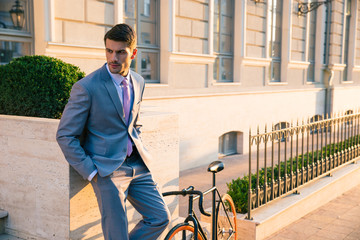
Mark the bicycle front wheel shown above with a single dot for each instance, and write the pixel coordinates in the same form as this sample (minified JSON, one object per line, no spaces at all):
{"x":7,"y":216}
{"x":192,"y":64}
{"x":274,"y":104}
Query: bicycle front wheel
{"x":183,"y":231}
{"x":226,"y":219}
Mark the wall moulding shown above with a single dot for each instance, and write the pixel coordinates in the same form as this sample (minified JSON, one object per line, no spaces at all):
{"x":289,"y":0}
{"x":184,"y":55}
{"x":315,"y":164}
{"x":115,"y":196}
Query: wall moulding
{"x":192,"y":58}
{"x":257,"y":62}
{"x":298,"y":65}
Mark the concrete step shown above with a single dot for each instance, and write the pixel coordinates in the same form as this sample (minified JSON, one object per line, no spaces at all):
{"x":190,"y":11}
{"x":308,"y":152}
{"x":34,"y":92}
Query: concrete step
{"x":3,"y":215}
{"x":9,"y":237}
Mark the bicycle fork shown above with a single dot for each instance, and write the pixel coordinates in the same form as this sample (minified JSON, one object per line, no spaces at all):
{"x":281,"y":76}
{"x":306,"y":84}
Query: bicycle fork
{"x":192,"y":217}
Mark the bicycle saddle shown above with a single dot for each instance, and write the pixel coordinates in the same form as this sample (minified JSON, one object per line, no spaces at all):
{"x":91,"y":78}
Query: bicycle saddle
{"x":216,"y":166}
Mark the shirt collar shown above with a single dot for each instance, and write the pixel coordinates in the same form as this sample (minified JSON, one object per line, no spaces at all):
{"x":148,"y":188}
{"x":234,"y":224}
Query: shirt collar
{"x":118,"y":78}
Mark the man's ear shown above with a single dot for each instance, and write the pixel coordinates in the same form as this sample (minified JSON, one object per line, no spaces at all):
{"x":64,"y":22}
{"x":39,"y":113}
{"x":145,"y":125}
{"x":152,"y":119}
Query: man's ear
{"x":134,"y":53}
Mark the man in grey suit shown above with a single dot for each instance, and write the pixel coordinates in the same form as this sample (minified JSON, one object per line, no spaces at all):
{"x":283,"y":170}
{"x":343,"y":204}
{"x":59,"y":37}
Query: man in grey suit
{"x":100,"y":138}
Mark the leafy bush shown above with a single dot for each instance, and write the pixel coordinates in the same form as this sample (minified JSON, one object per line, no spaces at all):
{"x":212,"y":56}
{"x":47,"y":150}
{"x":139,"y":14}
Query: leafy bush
{"x":37,"y":86}
{"x":238,"y":188}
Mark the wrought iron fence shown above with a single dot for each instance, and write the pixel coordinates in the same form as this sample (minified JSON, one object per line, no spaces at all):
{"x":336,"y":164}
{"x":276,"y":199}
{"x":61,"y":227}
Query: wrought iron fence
{"x":291,"y":155}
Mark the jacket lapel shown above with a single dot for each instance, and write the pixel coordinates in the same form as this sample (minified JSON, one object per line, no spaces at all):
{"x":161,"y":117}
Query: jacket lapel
{"x":136,"y":88}
{"x":109,"y":85}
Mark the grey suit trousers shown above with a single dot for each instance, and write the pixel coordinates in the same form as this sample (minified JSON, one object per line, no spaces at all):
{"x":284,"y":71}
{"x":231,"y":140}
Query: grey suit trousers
{"x":133,"y":182}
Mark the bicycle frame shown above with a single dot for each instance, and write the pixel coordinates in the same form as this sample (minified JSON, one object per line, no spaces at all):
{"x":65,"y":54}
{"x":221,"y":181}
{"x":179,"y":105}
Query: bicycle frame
{"x":216,"y":204}
{"x":192,"y":217}
{"x":215,"y":209}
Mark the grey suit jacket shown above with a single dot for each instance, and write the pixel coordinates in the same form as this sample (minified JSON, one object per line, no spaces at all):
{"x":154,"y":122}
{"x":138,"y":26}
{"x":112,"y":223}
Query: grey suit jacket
{"x":95,"y":112}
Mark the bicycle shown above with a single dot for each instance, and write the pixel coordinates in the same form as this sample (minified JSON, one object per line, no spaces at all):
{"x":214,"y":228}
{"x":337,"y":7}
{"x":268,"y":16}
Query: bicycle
{"x":223,"y":214}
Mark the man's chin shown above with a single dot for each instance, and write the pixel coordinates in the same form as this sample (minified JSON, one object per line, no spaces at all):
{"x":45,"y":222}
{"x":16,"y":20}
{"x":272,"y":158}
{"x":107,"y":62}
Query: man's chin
{"x":114,"y":70}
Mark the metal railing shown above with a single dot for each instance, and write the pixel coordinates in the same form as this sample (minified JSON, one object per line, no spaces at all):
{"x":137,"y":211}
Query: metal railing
{"x":298,"y":154}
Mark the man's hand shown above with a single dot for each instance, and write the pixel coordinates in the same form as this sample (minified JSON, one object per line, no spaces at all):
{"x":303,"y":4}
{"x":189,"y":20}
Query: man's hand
{"x":95,"y":178}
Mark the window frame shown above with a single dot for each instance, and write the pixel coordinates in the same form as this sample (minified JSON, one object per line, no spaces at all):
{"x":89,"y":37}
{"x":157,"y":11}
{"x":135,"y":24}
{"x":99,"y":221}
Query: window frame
{"x":347,"y":31}
{"x":312,"y":62}
{"x":22,"y":36}
{"x":219,"y":55}
{"x":278,"y":60}
{"x":144,"y":48}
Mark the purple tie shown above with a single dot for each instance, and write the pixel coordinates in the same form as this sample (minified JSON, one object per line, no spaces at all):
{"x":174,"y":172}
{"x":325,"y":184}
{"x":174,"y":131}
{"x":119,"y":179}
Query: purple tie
{"x":126,"y":105}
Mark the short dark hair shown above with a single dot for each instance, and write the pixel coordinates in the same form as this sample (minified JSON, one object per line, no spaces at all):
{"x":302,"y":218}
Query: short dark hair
{"x":122,"y":33}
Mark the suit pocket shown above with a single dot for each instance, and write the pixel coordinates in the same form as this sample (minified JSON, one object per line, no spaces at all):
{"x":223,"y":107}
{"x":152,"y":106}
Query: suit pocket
{"x":95,"y":148}
{"x":100,"y":149}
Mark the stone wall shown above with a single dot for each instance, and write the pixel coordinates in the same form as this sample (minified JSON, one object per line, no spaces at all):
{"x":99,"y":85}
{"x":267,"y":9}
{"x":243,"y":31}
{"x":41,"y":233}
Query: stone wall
{"x":192,"y":26}
{"x":85,"y":24}
{"x":256,"y":30}
{"x":47,"y":199}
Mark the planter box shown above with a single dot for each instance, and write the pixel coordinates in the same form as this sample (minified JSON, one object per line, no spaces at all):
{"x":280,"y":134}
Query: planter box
{"x":47,"y":199}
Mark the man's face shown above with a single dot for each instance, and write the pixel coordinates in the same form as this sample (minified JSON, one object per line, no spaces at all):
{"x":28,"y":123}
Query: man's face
{"x":119,"y":56}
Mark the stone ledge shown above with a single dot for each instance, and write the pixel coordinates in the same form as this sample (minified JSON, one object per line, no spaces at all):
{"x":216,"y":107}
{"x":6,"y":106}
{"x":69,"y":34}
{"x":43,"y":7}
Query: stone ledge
{"x":282,"y":212}
{"x":47,"y":200}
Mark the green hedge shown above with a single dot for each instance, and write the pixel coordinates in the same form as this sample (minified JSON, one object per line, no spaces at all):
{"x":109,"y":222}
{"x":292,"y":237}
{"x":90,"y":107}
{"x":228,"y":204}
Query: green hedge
{"x":238,"y":188}
{"x":37,"y":86}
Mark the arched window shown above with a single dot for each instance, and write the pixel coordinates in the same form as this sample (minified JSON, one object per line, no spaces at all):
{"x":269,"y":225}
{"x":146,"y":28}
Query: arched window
{"x":349,"y":112}
{"x":313,"y":119}
{"x":231,"y":143}
{"x":279,"y":126}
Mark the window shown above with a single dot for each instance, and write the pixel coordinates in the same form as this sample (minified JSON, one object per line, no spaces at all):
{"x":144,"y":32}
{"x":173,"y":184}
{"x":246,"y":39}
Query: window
{"x":357,"y":41}
{"x":223,"y":40}
{"x":15,"y":34}
{"x":350,"y":119}
{"x":311,"y":46}
{"x":315,"y":128}
{"x":275,"y":12}
{"x":143,"y":16}
{"x":284,"y":134}
{"x":231,"y":143}
{"x":347,"y":16}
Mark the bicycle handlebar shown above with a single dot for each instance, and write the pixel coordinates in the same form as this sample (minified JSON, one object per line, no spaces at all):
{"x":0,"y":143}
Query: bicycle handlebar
{"x":190,"y":191}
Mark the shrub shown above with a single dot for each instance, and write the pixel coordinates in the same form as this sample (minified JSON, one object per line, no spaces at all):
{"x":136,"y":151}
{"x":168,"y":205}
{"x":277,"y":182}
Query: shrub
{"x":37,"y":86}
{"x":238,"y":188}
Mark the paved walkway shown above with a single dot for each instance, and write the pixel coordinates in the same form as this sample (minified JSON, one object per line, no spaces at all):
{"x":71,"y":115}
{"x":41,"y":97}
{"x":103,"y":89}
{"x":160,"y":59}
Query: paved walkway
{"x":338,"y":219}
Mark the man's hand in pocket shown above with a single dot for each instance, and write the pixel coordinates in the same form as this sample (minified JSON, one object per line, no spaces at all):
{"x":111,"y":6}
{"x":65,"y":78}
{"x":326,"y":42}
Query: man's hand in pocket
{"x":95,"y":177}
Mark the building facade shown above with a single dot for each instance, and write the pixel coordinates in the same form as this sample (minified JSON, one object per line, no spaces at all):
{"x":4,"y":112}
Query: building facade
{"x":223,"y":66}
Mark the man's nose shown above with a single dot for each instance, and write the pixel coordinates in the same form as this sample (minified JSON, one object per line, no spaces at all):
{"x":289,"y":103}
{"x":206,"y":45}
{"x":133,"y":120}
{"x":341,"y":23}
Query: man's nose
{"x":114,"y":57}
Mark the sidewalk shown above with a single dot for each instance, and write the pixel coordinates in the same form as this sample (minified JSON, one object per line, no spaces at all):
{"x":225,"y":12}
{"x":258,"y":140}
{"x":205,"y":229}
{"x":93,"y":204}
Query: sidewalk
{"x":338,"y":219}
{"x":201,"y":179}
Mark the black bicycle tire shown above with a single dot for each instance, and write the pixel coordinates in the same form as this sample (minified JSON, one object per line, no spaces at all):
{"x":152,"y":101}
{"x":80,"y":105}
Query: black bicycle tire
{"x":227,"y":198}
{"x":181,"y":227}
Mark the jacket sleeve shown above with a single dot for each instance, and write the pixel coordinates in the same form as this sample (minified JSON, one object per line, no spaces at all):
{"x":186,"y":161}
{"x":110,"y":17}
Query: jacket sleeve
{"x":71,"y":128}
